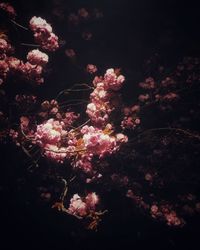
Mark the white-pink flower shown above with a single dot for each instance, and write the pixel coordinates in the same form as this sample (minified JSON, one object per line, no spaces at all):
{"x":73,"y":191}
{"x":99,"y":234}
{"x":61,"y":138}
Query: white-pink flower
{"x":43,"y":34}
{"x":49,"y":133}
{"x":36,"y":57}
{"x":77,"y":206}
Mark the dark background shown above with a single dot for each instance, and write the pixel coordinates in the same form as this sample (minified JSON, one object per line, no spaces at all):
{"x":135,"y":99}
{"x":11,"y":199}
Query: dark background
{"x":129,"y":33}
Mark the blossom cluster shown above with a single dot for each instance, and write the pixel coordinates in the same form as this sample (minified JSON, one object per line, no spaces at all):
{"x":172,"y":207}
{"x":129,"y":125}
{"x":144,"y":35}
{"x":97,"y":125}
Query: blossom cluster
{"x":58,"y":139}
{"x":43,"y":34}
{"x":100,"y":107}
{"x":165,"y":212}
{"x":131,"y":117}
{"x":32,"y":70}
{"x":83,"y":207}
{"x":36,"y":57}
{"x":60,"y":144}
{"x":83,"y":15}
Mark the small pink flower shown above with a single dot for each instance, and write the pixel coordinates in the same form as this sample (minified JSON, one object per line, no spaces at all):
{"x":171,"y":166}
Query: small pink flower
{"x":91,"y":68}
{"x":70,"y":53}
{"x":92,"y":200}
{"x":77,"y":206}
{"x":83,"y":13}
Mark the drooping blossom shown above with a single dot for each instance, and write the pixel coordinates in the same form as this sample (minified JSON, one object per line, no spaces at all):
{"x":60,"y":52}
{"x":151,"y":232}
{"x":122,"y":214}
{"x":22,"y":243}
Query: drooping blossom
{"x":36,"y":57}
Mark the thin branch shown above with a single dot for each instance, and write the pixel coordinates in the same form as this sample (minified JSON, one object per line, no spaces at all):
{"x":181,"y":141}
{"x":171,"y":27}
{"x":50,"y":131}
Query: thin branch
{"x":186,"y":132}
{"x":19,"y":25}
{"x":30,"y":45}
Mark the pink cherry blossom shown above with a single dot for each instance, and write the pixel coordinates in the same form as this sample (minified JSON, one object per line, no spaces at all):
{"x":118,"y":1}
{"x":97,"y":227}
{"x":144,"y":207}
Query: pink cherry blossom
{"x":55,"y":153}
{"x":49,"y":133}
{"x":91,"y":68}
{"x":43,"y":34}
{"x":77,"y":206}
{"x":36,"y":57}
{"x":92,"y":200}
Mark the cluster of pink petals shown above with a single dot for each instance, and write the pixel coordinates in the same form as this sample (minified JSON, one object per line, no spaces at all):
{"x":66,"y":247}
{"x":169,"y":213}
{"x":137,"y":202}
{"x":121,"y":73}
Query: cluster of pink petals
{"x":171,"y":96}
{"x":144,"y":97}
{"x":131,"y":118}
{"x":24,"y":122}
{"x":28,"y":99}
{"x":83,"y":15}
{"x":130,"y":122}
{"x":31,"y":72}
{"x":4,"y":69}
{"x":14,"y":135}
{"x":55,"y":153}
{"x":112,"y":81}
{"x":149,"y":83}
{"x":100,"y":108}
{"x":75,"y":18}
{"x":166,"y":213}
{"x":49,"y":133}
{"x":13,"y":64}
{"x":91,"y":68}
{"x":8,"y":9}
{"x":43,"y":34}
{"x":168,"y":81}
{"x":36,"y":57}
{"x":69,"y":118}
{"x":97,"y":142}
{"x":83,"y":207}
{"x":5,"y":47}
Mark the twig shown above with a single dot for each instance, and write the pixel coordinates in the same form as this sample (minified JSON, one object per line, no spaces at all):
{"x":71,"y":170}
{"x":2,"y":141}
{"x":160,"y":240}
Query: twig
{"x":19,"y":25}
